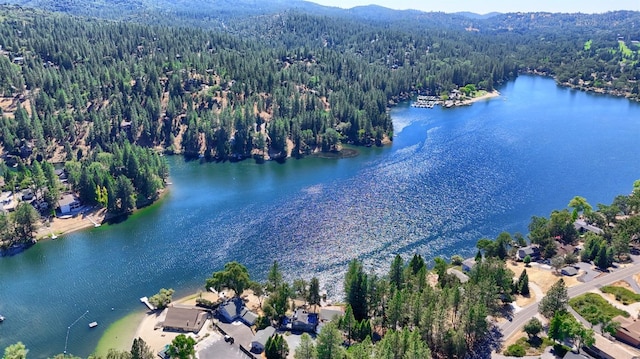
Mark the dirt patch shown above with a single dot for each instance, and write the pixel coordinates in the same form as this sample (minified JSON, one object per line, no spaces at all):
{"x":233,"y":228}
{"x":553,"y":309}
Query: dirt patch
{"x":432,"y":279}
{"x":522,"y":301}
{"x":544,"y":278}
{"x":622,"y":284}
{"x":513,"y":339}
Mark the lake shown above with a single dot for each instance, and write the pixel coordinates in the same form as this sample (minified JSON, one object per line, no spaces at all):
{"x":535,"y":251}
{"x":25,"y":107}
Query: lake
{"x":450,"y":178}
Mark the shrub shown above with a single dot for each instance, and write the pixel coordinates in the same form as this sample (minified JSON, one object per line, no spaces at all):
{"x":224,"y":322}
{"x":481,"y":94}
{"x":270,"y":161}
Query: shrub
{"x":515,"y":350}
{"x":456,"y":260}
{"x":593,"y":308}
{"x":623,"y":295}
{"x":204,"y":303}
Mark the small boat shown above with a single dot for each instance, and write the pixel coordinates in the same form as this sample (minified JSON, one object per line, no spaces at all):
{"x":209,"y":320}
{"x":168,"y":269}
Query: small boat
{"x":1,"y":319}
{"x":93,"y":324}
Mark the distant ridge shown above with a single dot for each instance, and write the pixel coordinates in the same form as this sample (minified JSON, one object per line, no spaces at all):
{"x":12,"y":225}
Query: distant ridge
{"x":473,"y":15}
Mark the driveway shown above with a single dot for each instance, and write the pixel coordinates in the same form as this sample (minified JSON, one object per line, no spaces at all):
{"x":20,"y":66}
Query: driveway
{"x":589,"y":273}
{"x":239,"y":332}
{"x":214,"y":347}
{"x":634,"y":285}
{"x":293,"y":341}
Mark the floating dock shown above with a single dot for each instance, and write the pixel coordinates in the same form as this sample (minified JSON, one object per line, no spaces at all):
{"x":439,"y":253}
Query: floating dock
{"x":426,"y":102}
{"x":93,"y":324}
{"x":145,"y":301}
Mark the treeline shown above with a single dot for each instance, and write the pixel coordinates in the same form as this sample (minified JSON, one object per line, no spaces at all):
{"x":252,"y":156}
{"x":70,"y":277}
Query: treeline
{"x":613,"y":229}
{"x":412,"y":312}
{"x":608,"y":234}
{"x":189,"y":91}
{"x":120,"y":180}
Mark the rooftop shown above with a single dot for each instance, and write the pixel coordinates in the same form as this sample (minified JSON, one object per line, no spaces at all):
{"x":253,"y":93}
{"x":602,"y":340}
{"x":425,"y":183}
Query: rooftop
{"x":66,"y":200}
{"x":263,"y":335}
{"x":185,"y":319}
{"x":328,"y":314}
{"x":463,"y":278}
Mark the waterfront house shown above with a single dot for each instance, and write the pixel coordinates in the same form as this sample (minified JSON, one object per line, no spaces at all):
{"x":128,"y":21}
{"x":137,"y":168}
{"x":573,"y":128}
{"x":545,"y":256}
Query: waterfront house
{"x":260,"y":339}
{"x":532,"y":251}
{"x":582,"y":226}
{"x":463,"y":278}
{"x":184,"y":319}
{"x":6,"y":202}
{"x":329,"y":314}
{"x":301,"y":321}
{"x":234,"y":309}
{"x":468,"y":264}
{"x":68,"y":203}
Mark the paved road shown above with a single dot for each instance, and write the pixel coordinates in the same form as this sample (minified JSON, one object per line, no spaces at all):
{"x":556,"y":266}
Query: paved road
{"x":525,"y":314}
{"x":634,"y":285}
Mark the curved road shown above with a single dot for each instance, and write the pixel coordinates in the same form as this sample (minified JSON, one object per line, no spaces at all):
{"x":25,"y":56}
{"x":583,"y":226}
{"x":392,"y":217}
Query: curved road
{"x":528,"y":312}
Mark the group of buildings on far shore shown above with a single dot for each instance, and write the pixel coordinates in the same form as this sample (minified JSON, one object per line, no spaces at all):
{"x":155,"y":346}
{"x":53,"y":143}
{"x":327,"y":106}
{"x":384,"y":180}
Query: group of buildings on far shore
{"x":68,"y":202}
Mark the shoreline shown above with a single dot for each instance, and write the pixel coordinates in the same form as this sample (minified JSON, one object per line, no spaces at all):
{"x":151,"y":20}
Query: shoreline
{"x":61,"y":226}
{"x":143,"y":324}
{"x":89,"y":219}
{"x":486,"y":96}
{"x":119,"y":335}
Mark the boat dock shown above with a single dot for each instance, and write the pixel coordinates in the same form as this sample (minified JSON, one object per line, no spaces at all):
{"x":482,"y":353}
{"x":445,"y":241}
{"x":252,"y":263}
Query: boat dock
{"x":95,"y":224}
{"x":145,"y":301}
{"x":426,"y":102}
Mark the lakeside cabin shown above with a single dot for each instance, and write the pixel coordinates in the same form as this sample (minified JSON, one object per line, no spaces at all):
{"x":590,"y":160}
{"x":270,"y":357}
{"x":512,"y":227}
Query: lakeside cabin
{"x":184,"y":319}
{"x":68,"y":203}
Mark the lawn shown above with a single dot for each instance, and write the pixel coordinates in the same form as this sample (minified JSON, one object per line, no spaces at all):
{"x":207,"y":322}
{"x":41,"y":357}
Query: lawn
{"x":592,"y":306}
{"x":623,"y":295}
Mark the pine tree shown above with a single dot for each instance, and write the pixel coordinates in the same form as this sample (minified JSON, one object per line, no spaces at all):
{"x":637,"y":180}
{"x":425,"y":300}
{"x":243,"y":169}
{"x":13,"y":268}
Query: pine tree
{"x":523,"y":283}
{"x":555,"y":301}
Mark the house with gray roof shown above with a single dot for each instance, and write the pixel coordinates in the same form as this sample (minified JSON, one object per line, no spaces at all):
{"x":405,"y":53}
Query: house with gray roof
{"x":582,"y":226}
{"x":463,"y":278}
{"x":260,"y":339}
{"x":234,"y":309}
{"x":569,"y":271}
{"x":68,"y":203}
{"x":532,"y":251}
{"x":468,"y":264}
{"x":184,"y":319}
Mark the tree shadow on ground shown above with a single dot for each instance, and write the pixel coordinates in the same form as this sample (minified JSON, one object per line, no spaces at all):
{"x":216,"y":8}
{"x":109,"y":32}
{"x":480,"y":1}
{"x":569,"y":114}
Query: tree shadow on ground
{"x":492,"y":342}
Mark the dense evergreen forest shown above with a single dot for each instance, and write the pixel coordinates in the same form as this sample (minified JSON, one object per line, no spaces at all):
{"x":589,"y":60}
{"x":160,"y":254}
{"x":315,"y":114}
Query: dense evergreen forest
{"x":263,"y":80}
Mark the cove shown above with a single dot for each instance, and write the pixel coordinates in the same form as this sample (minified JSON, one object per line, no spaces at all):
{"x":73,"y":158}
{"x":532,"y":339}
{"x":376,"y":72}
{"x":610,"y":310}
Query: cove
{"x":450,"y":178}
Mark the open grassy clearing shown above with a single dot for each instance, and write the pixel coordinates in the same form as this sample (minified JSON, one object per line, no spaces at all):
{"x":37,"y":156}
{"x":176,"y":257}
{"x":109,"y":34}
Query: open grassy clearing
{"x":622,"y":295}
{"x":593,"y":307}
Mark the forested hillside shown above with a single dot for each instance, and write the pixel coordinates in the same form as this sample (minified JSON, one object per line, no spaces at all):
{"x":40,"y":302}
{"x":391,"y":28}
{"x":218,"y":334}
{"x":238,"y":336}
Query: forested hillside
{"x":263,"y":80}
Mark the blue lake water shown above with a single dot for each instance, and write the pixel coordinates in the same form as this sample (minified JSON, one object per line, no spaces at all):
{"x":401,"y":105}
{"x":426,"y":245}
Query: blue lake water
{"x":450,"y":178}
